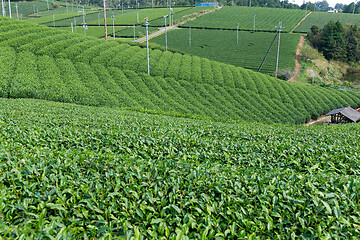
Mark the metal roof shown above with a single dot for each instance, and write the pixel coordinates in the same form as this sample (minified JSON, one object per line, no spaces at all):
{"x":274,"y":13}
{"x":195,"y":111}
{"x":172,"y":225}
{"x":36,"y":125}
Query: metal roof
{"x":335,"y":111}
{"x":348,"y":112}
{"x":351,"y":114}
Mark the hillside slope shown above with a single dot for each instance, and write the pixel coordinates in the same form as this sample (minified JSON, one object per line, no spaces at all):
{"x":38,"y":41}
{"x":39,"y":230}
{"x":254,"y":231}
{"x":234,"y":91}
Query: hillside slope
{"x":45,"y":63}
{"x":77,"y":172}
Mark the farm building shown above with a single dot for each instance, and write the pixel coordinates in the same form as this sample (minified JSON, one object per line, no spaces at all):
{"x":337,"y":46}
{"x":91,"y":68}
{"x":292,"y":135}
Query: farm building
{"x":343,"y":115}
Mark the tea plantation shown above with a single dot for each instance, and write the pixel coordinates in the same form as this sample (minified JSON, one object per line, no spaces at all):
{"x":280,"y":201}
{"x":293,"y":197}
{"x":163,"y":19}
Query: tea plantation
{"x":322,"y":18}
{"x":72,"y":171}
{"x":221,"y":45}
{"x":92,"y":147}
{"x":265,"y":20}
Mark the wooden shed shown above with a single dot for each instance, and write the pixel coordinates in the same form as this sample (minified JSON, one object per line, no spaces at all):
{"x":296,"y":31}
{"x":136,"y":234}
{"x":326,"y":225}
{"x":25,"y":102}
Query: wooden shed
{"x":343,"y":115}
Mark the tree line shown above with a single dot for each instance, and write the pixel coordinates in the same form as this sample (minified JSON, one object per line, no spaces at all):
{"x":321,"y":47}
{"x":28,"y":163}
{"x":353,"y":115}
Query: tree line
{"x":337,"y":42}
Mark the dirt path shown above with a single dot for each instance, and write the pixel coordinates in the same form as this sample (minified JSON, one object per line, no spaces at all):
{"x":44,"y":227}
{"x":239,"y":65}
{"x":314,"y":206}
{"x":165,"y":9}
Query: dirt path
{"x":297,"y":58}
{"x":162,"y":30}
{"x":292,"y":30}
{"x":312,"y":121}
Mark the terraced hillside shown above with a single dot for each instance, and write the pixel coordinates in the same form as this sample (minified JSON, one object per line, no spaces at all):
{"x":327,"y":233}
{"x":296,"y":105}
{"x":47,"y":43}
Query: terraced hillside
{"x":76,"y":172}
{"x":45,"y":63}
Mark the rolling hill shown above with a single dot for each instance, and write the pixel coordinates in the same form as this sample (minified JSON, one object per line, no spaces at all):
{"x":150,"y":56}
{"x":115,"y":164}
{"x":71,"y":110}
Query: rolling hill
{"x":45,"y":63}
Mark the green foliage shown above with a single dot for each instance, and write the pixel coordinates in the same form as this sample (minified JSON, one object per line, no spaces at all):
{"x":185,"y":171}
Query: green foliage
{"x":220,"y":45}
{"x":48,"y":64}
{"x":72,"y":171}
{"x":181,"y":16}
{"x":266,"y":18}
{"x":139,"y":32}
{"x":322,"y":18}
{"x":7,"y":67}
{"x":129,"y":17}
{"x":335,"y":42}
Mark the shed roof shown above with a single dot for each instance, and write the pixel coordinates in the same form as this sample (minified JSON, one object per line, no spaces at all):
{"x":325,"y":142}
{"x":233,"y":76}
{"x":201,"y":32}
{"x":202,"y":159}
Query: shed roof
{"x":335,"y":111}
{"x":351,"y":114}
{"x":348,"y":112}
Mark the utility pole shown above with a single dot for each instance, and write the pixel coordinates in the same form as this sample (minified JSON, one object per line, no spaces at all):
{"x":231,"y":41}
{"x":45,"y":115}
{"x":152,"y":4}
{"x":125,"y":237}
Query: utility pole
{"x":17,"y":11}
{"x":278,"y":49}
{"x":250,"y":3}
{"x":72,"y":27}
{"x":147,"y":45}
{"x":84,"y":23}
{"x":137,"y":13}
{"x":237,"y":34}
{"x":105,"y":20}
{"x":354,"y":7}
{"x":54,"y":19}
{"x":165,"y":33}
{"x":170,"y":13}
{"x":99,"y":19}
{"x":3,"y":8}
{"x":254,"y":21}
{"x":189,"y":35}
{"x":134,"y":33}
{"x":10,"y":9}
{"x":113,"y":18}
{"x":75,"y":23}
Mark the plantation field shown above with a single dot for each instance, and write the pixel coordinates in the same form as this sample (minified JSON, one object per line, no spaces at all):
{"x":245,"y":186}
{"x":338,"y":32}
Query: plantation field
{"x":266,"y":18}
{"x":58,"y":16}
{"x":81,"y":172}
{"x":220,"y":45}
{"x":322,"y":18}
{"x":94,"y":31}
{"x":129,"y":17}
{"x":46,"y":63}
{"x":139,"y":32}
{"x":26,"y":8}
{"x":181,"y":16}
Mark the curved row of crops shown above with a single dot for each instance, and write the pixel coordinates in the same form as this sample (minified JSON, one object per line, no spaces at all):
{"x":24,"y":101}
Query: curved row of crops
{"x":77,"y":172}
{"x":41,"y":62}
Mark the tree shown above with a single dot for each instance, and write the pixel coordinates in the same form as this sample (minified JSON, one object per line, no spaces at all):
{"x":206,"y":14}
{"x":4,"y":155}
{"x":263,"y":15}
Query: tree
{"x":352,"y":39}
{"x":314,"y":36}
{"x":339,"y":6}
{"x":332,"y":42}
{"x":322,"y":6}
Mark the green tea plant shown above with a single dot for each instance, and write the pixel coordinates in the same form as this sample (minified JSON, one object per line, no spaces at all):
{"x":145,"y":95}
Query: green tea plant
{"x":50,"y":64}
{"x":70,"y":171}
{"x":322,"y":18}
{"x":265,"y":20}
{"x":221,"y":46}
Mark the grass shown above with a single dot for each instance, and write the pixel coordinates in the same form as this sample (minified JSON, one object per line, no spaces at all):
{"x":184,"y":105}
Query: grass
{"x":220,"y":45}
{"x":266,"y":19}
